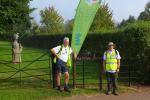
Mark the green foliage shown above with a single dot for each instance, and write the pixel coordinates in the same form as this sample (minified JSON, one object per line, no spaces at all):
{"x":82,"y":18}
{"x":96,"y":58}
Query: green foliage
{"x":35,"y":28}
{"x":69,"y":26}
{"x":15,"y":16}
{"x":137,"y":41}
{"x":51,"y":21}
{"x":103,"y":19}
{"x":139,"y":34}
{"x":124,"y":23}
{"x":145,"y":15}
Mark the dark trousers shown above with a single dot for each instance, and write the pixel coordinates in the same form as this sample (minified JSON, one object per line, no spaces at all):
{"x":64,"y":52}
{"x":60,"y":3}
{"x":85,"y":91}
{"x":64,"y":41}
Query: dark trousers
{"x":111,"y":81}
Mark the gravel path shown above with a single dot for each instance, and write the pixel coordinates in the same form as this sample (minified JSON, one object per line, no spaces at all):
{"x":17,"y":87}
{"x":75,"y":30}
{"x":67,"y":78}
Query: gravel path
{"x":142,"y":93}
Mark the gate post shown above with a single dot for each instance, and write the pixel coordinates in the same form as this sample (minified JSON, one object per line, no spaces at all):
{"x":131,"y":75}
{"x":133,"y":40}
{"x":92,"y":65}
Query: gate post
{"x":129,"y":76}
{"x":83,"y":84}
{"x":50,"y":67}
{"x":149,"y":75}
{"x":53,"y":72}
{"x":101,"y":69}
{"x":74,"y":72}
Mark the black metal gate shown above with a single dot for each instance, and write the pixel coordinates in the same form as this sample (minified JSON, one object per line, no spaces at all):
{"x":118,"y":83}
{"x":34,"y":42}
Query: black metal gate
{"x":34,"y":70}
{"x":89,"y":72}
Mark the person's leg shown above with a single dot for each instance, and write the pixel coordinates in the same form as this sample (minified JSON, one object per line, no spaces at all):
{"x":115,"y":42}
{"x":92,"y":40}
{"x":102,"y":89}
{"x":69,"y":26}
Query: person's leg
{"x":114,"y":83}
{"x":111,"y":81}
{"x":66,"y":87}
{"x":108,"y":76}
{"x":58,"y":76}
{"x":66,"y":81}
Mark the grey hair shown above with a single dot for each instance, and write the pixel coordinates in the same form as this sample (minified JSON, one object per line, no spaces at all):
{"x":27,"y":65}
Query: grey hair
{"x":66,"y":38}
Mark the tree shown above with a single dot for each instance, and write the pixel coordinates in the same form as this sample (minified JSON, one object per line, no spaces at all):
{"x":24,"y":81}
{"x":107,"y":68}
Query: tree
{"x":14,"y":15}
{"x":35,"y":29}
{"x":145,"y":15}
{"x":69,"y":26}
{"x":131,"y":19}
{"x":103,"y":19}
{"x":52,"y":21}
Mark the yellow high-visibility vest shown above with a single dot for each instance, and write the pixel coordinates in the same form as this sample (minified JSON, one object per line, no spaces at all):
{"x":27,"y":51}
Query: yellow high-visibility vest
{"x":69,"y":62}
{"x":111,"y":61}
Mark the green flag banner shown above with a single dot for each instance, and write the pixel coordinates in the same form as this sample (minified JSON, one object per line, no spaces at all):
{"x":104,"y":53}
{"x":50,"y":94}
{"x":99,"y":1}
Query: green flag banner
{"x":84,"y":17}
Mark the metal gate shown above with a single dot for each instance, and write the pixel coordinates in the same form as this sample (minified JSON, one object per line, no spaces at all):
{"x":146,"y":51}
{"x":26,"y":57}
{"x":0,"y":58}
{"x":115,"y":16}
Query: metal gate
{"x":34,"y":70}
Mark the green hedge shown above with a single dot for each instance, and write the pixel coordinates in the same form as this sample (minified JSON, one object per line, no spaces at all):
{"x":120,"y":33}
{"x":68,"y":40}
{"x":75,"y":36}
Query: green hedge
{"x":136,"y":38}
{"x":95,"y":43}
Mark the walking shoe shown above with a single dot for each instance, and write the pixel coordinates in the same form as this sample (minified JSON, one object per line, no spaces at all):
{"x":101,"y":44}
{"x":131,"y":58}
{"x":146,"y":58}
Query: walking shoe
{"x":59,"y":88}
{"x":108,"y":92}
{"x":66,"y":89}
{"x":115,"y":93}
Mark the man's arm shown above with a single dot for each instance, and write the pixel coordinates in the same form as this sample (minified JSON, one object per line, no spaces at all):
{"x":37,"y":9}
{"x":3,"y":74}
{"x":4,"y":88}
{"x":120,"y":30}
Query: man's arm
{"x":74,"y":55}
{"x":118,"y":61}
{"x":54,"y":53}
{"x":118,"y":65}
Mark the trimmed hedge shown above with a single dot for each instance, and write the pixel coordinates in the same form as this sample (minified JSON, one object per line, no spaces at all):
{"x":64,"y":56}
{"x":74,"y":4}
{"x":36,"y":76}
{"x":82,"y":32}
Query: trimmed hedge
{"x":95,"y":43}
{"x":137,"y":36}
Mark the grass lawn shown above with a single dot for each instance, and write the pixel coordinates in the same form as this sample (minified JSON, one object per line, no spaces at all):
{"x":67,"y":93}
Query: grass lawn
{"x":35,"y":76}
{"x":27,"y":93}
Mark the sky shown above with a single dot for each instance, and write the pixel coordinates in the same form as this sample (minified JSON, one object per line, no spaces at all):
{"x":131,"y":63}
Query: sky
{"x":121,"y":8}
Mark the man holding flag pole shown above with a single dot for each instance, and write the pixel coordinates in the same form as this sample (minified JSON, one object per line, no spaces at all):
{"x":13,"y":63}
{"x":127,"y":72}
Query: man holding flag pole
{"x":62,"y":59}
{"x":84,"y":17}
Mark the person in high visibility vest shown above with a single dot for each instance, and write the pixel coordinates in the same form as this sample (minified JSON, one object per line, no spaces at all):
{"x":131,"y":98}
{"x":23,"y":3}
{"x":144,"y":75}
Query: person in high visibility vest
{"x":62,"y":54}
{"x":111,"y":64}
